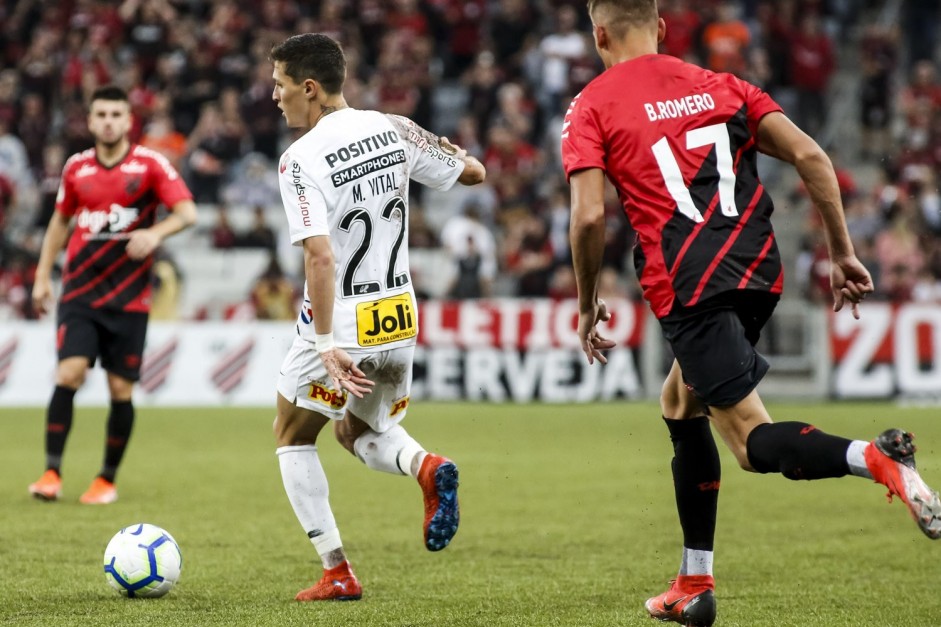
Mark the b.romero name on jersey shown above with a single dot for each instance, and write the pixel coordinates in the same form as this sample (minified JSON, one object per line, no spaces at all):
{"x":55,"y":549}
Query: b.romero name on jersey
{"x":679,"y":107}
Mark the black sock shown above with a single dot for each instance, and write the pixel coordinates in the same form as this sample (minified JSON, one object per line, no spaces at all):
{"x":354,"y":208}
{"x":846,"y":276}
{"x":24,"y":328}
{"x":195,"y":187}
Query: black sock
{"x":797,"y":450}
{"x":120,"y":422}
{"x":696,"y":476}
{"x":58,"y":425}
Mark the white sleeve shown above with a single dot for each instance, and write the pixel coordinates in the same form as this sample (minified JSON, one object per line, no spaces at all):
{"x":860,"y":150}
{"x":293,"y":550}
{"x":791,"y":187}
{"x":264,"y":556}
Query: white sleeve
{"x":304,"y":204}
{"x":430,"y":165}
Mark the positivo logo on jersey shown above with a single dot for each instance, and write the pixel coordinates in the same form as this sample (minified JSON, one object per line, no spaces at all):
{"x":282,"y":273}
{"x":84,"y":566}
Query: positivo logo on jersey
{"x":107,"y":224}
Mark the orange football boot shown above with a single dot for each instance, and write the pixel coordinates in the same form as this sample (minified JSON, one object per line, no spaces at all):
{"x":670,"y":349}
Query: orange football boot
{"x":337,"y":584}
{"x":100,"y":492}
{"x":48,"y":487}
{"x":690,"y":601}
{"x":438,"y":480}
{"x":891,"y":461}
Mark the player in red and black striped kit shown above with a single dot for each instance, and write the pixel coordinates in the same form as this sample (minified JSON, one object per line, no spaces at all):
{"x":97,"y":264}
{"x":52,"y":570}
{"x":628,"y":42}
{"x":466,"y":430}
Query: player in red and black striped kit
{"x":111,"y":194}
{"x":679,"y":144}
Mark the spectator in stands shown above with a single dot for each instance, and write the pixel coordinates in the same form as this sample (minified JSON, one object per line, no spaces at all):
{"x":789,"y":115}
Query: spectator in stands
{"x":812,"y":64}
{"x":256,"y":106}
{"x":473,"y":250}
{"x":510,"y":25}
{"x":165,"y":304}
{"x":212,"y":148}
{"x":222,"y":233}
{"x":160,"y":135}
{"x":9,"y":97}
{"x":33,"y":129}
{"x":726,"y":39}
{"x":529,"y":256}
{"x":254,"y":183}
{"x":260,"y":234}
{"x":899,"y":253}
{"x":464,"y":20}
{"x":558,"y":49}
{"x":273,"y":295}
{"x":7,"y":200}
{"x":482,"y":81}
{"x":513,"y":165}
{"x":683,"y":24}
{"x":878,"y":53}
{"x":49,"y":179}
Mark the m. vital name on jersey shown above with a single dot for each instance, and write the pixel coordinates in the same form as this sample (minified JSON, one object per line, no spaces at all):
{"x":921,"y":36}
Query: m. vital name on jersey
{"x":366,"y":168}
{"x":679,"y":107}
{"x":387,"y":320}
{"x":361,"y":147}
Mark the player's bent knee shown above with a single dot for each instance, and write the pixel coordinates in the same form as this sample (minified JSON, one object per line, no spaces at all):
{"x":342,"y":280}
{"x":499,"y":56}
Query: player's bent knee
{"x":345,"y":435}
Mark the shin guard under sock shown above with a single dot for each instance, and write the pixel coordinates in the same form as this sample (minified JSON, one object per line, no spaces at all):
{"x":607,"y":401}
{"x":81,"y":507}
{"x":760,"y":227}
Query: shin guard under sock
{"x":696,"y":477}
{"x":797,"y":450}
{"x":58,"y":424}
{"x":120,"y":424}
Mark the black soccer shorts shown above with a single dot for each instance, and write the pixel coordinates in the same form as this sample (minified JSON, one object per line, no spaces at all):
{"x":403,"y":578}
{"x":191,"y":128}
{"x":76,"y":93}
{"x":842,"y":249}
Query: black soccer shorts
{"x":117,"y":337}
{"x":714,"y":344}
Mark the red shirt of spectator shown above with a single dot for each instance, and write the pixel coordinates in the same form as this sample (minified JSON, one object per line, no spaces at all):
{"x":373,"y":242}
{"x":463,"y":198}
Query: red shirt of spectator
{"x":682,"y":24}
{"x":812,"y":59}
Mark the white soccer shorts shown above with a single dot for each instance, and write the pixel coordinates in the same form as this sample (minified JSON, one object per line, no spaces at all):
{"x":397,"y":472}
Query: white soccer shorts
{"x":304,"y":382}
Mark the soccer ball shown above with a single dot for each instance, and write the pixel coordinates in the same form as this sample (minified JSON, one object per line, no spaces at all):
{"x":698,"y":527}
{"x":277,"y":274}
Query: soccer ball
{"x":143,"y":560}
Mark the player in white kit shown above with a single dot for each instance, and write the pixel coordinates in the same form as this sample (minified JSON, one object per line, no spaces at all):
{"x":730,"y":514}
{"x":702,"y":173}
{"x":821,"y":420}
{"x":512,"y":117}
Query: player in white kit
{"x":344,"y":184}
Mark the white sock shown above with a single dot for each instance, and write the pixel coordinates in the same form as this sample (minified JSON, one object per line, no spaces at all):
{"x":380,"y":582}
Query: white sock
{"x":856,"y":459}
{"x":393,"y":451}
{"x":696,"y":562}
{"x":306,"y":485}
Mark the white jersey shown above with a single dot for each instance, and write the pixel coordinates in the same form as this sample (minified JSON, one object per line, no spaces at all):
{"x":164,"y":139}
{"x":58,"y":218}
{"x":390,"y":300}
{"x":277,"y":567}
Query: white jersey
{"x":348,"y":178}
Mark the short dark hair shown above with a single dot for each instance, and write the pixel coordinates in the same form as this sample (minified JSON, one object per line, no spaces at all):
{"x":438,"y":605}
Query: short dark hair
{"x":312,"y":55}
{"x":108,"y":92}
{"x":624,"y":13}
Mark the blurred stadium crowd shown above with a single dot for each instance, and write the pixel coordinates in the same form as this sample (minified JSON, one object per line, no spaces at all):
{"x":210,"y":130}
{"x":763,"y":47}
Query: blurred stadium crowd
{"x":495,"y":76}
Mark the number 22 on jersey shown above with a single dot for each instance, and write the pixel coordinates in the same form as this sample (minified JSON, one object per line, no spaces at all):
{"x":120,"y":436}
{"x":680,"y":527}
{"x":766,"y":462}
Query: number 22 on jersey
{"x":387,"y":319}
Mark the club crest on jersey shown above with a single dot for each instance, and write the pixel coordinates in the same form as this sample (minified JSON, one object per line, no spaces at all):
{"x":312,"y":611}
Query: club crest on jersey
{"x":283,"y":166}
{"x":399,"y":406}
{"x":324,"y":395}
{"x":387,"y":320}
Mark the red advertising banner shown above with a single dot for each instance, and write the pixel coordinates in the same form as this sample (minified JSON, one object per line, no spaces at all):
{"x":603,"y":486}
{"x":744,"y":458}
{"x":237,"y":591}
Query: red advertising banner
{"x":520,"y":323}
{"x":892,"y":349}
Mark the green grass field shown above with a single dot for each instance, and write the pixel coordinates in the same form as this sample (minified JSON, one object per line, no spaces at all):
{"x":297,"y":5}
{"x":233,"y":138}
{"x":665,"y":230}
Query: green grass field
{"x":567,"y":519}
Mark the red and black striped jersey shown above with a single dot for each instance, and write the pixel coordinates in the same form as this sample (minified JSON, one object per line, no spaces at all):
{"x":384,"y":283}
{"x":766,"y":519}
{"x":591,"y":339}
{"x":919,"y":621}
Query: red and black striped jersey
{"x":107,"y":204}
{"x":678,"y":144}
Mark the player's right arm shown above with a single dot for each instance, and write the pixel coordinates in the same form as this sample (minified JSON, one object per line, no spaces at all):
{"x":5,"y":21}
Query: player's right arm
{"x":781,"y":138}
{"x":52,"y":243}
{"x":55,"y":238}
{"x":306,"y":211}
{"x":319,"y":272}
{"x":586,"y":234}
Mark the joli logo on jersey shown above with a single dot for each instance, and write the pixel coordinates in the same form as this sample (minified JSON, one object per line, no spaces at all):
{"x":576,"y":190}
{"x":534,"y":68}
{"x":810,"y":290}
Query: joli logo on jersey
{"x":387,"y":320}
{"x":116,"y":219}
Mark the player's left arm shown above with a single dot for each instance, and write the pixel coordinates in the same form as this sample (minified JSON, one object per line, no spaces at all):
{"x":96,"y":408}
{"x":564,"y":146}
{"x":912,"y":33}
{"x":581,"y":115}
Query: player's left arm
{"x":586,"y":235}
{"x":778,"y":137}
{"x":143,"y":242}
